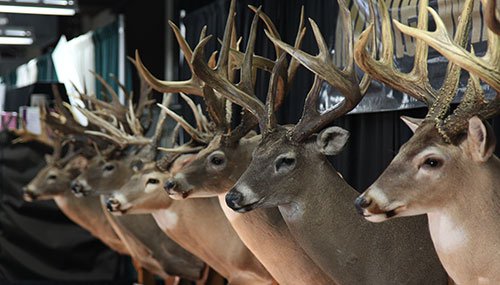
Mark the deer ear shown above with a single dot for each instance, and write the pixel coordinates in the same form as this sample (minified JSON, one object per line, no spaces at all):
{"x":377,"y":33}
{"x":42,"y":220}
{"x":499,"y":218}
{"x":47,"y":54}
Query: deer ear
{"x":332,"y":140}
{"x":77,"y":163}
{"x":412,"y":123}
{"x":481,"y":140}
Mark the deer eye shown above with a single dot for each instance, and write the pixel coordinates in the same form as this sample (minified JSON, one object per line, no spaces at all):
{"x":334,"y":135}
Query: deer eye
{"x":153,"y":181}
{"x":109,"y":167}
{"x":52,"y":177}
{"x":284,"y":163}
{"x":432,"y":163}
{"x":217,"y":159}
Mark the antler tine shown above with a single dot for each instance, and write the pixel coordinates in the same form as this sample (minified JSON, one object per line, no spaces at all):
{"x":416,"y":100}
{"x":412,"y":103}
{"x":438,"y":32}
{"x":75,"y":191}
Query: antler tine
{"x":115,"y":134}
{"x":487,"y":67}
{"x":145,"y":91}
{"x":128,"y":95}
{"x":133,"y":121}
{"x":415,"y":83}
{"x":222,"y":85}
{"x":275,"y":88}
{"x":223,"y":62}
{"x":490,"y":16}
{"x":194,"y":109}
{"x":193,"y":132}
{"x":294,"y":63}
{"x":310,"y":114}
{"x":216,"y":108}
{"x":115,"y":100}
{"x":70,"y":154}
{"x":191,"y":86}
{"x":448,"y":91}
{"x":246,"y":81}
{"x":269,"y":25}
{"x":57,"y":150}
{"x":322,"y":65}
{"x":167,"y":98}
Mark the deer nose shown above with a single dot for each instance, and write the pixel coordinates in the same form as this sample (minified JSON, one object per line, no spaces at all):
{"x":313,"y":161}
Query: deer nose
{"x":112,"y":204}
{"x":169,"y":185}
{"x":76,"y":187}
{"x":233,"y":199}
{"x":28,"y":195}
{"x":362,"y":203}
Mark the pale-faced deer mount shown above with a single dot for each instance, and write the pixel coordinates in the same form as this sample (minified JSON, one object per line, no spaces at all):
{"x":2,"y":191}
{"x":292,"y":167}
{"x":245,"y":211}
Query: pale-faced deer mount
{"x":447,"y":169}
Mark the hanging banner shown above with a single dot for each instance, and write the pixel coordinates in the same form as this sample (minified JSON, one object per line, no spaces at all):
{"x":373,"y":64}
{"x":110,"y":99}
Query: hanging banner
{"x":381,"y":98}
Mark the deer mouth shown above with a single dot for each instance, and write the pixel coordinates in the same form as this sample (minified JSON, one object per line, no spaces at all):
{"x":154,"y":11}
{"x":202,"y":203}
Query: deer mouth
{"x":383,"y":215}
{"x":178,"y":195}
{"x":248,"y":207}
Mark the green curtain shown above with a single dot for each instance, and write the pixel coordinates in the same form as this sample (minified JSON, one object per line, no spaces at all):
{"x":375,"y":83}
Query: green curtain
{"x":46,"y":71}
{"x":106,"y":55}
{"x":10,"y":79}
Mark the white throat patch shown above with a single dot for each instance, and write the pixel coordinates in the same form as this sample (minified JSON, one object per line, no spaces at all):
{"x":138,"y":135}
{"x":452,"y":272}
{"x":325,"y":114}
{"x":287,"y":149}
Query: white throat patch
{"x":167,"y":219}
{"x":445,"y":232}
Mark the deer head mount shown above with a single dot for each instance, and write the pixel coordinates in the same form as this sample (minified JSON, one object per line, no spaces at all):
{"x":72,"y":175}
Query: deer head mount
{"x":311,"y":122}
{"x":446,"y":168}
{"x":224,"y":145}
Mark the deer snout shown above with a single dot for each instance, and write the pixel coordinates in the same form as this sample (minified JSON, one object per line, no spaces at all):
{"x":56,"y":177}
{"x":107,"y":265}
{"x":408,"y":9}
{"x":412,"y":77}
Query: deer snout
{"x":170,"y":185}
{"x":112,"y":204}
{"x":79,"y":188}
{"x":28,"y":194}
{"x":362,"y":203}
{"x":233,"y":199}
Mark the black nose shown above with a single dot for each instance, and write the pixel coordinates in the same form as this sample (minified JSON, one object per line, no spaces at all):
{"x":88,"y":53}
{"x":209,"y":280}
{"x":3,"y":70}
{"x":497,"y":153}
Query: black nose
{"x":169,"y":185}
{"x":76,"y":187}
{"x":112,"y":204}
{"x":233,"y":199}
{"x":362,"y":203}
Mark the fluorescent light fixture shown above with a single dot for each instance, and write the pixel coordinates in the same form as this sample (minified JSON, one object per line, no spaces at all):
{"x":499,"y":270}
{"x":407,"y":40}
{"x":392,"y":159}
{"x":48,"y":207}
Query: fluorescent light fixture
{"x":16,"y":36}
{"x":15,"y":41}
{"x":45,"y":7}
{"x":37,"y":10}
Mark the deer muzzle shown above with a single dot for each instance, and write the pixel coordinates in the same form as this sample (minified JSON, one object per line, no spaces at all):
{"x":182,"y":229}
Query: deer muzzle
{"x":375,"y":206}
{"x":79,"y":188}
{"x":113,"y":205}
{"x":29,"y":195}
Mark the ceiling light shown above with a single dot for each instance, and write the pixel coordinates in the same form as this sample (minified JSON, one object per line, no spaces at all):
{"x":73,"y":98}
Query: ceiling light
{"x":46,"y":7}
{"x":15,"y":41}
{"x":16,"y":36}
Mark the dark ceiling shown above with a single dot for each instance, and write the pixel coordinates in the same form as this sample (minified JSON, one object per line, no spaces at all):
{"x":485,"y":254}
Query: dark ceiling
{"x":48,"y":29}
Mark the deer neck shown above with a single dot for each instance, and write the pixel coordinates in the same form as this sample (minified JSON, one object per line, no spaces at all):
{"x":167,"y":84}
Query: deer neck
{"x":200,"y":226}
{"x":466,"y":229}
{"x":87,"y":213}
{"x":324,"y":222}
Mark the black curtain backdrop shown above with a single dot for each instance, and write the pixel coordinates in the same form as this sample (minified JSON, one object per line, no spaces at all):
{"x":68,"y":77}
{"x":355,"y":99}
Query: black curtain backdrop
{"x":375,"y":137}
{"x":38,"y":243}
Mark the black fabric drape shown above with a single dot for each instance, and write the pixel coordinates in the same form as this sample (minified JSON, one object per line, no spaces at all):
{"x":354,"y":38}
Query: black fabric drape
{"x":37,"y":241}
{"x":375,"y":137}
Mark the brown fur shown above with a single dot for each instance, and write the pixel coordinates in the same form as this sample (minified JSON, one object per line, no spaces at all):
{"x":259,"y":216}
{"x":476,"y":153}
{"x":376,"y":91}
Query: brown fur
{"x":461,"y":197}
{"x":316,"y":204}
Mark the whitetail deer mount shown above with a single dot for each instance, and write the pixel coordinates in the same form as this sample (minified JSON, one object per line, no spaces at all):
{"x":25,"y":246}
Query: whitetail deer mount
{"x":289,"y":169}
{"x":447,"y":169}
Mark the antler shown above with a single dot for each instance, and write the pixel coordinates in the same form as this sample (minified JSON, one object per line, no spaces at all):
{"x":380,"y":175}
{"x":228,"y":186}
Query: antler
{"x":415,"y":83}
{"x":322,"y":65}
{"x":112,"y":132}
{"x":486,"y":67}
{"x":197,"y":133}
{"x":490,"y":16}
{"x":191,"y":86}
